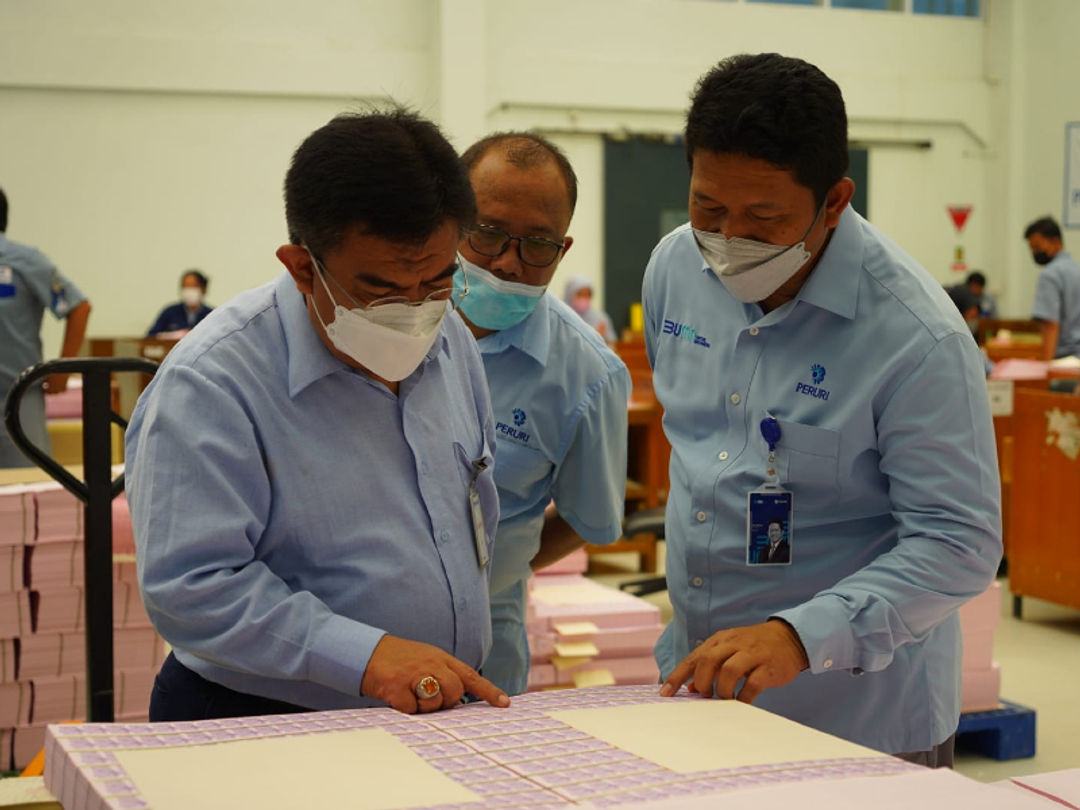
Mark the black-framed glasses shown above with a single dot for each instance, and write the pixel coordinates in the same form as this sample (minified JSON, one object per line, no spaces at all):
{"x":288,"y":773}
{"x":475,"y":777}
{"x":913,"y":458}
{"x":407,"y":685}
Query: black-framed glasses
{"x":534,"y":251}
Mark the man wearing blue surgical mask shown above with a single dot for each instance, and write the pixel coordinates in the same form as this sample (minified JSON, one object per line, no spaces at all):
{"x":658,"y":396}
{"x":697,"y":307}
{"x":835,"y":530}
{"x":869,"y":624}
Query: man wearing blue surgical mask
{"x":812,"y":371}
{"x":322,"y":541}
{"x":559,"y":395}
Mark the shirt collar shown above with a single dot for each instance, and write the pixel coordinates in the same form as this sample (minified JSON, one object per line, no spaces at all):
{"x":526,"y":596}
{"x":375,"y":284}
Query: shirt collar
{"x":834,"y":282}
{"x":308,"y":358}
{"x":532,"y":336}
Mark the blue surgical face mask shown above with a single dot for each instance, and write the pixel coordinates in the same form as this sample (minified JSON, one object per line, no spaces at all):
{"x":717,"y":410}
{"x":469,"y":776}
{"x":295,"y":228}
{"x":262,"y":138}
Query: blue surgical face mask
{"x":489,"y":301}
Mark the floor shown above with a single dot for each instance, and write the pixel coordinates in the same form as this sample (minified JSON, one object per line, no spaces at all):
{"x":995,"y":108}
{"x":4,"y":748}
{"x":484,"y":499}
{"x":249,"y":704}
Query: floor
{"x":1040,"y":668}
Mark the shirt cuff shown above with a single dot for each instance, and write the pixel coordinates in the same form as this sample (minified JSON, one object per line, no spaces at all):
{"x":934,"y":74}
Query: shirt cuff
{"x":340,"y":653}
{"x":825,"y":631}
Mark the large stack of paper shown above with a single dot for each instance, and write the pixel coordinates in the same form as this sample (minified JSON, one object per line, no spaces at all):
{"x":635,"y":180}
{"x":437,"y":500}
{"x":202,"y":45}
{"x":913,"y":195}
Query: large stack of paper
{"x":608,"y":746}
{"x":582,"y":633}
{"x":42,"y":621}
{"x":980,"y":683}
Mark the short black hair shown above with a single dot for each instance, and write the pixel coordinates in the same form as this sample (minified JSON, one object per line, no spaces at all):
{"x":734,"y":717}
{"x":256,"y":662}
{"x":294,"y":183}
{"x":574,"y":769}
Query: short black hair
{"x":391,"y":173}
{"x":777,"y":521}
{"x":975,"y":277}
{"x":963,"y":297}
{"x":1044,"y":226}
{"x":3,"y":211}
{"x":525,"y":150}
{"x":774,"y":108}
{"x":199,"y":277}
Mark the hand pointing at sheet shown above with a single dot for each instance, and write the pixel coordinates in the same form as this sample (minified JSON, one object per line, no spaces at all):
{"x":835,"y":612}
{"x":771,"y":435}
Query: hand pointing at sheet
{"x":767,"y":655}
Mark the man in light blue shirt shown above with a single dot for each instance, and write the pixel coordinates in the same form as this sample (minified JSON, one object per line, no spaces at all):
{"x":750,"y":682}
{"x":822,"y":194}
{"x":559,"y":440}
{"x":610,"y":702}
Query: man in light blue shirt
{"x":309,"y":472}
{"x":559,"y":395}
{"x":29,"y":285}
{"x":1057,"y":293}
{"x":778,"y":316}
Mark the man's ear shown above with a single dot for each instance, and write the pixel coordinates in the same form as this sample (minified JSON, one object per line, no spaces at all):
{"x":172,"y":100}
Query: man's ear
{"x":298,"y":262}
{"x":837,"y":200}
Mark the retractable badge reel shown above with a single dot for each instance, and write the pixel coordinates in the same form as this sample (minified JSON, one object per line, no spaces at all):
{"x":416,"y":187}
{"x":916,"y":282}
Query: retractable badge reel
{"x":769,"y":510}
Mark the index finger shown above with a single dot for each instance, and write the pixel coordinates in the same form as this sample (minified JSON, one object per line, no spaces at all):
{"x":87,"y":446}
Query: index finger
{"x":680,"y":675}
{"x":480,"y":686}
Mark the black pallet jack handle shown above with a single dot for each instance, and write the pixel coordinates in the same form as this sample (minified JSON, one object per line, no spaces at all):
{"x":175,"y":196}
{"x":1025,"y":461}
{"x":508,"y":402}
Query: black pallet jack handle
{"x":96,"y":493}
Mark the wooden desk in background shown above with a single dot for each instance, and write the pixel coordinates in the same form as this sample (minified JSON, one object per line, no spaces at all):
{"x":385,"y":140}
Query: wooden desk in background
{"x":1043,"y":562}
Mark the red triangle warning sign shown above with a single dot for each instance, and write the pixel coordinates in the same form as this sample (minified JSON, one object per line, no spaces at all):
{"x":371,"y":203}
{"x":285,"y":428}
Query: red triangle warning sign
{"x":959,"y":214}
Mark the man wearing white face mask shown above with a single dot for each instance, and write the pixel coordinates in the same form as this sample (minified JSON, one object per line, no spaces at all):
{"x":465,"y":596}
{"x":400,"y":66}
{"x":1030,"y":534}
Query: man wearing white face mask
{"x":558,"y":394}
{"x":189,"y":311}
{"x":814,"y":377}
{"x":323,"y":539}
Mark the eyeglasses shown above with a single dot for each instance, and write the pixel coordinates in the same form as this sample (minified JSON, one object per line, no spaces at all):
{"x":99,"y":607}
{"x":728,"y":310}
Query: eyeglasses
{"x":441,"y":294}
{"x":532,"y":250}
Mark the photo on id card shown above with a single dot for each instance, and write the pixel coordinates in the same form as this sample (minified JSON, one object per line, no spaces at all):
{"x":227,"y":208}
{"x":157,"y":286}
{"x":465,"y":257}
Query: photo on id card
{"x":768,"y":527}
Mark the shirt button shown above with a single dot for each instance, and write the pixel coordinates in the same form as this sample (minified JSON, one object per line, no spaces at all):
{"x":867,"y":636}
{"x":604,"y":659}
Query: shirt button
{"x":753,"y":330}
{"x":444,"y":536}
{"x":735,"y":399}
{"x":697,"y":582}
{"x":827,"y":663}
{"x":722,"y":455}
{"x":701,"y":517}
{"x":461,"y":603}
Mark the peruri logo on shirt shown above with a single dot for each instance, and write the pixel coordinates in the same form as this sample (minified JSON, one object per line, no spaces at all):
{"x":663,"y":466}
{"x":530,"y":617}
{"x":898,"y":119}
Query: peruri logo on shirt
{"x":687,"y":333}
{"x":512,"y":431}
{"x":817,"y":374}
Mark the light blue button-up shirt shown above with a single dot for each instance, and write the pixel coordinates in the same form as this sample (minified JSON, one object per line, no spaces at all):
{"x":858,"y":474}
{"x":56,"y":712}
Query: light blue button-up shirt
{"x":1057,"y":298}
{"x":289,"y":510}
{"x":888,"y":446}
{"x":559,"y":397}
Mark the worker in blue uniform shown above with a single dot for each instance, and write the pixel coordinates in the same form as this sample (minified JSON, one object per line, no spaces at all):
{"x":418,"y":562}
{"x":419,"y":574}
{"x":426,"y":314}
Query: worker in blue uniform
{"x":30,"y":284}
{"x":559,"y":394}
{"x":186,"y":313}
{"x":1057,"y":292}
{"x":812,"y":372}
{"x":310,"y":471}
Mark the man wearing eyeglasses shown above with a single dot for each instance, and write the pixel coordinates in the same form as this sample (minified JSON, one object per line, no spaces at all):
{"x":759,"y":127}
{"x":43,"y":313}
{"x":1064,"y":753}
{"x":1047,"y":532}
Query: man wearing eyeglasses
{"x":558,"y":393}
{"x":310,"y":472}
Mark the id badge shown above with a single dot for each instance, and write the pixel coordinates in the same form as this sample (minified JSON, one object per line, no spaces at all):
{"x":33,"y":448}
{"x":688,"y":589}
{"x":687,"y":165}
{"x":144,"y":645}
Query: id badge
{"x":768,"y":526}
{"x":479,"y":532}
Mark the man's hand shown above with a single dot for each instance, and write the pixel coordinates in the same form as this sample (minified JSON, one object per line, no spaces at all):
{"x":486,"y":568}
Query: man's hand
{"x":397,"y":665}
{"x":766,"y":655}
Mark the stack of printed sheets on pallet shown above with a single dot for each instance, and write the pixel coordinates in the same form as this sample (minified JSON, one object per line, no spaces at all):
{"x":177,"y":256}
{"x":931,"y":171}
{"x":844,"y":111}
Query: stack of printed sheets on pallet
{"x":604,"y":747}
{"x":980,"y":682}
{"x":42,"y":620}
{"x":582,"y":633}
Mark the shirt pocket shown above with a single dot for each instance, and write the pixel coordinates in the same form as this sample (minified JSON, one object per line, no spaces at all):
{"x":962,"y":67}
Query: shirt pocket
{"x":478,"y":470}
{"x":522,"y":471}
{"x":808,"y":462}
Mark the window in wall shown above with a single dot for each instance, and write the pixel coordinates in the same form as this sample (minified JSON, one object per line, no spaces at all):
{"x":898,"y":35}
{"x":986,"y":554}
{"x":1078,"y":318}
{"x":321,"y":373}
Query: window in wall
{"x":873,"y":5}
{"x":955,"y":8}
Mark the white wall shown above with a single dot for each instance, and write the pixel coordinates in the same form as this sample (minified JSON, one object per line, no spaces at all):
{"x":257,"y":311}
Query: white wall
{"x":141,"y":138}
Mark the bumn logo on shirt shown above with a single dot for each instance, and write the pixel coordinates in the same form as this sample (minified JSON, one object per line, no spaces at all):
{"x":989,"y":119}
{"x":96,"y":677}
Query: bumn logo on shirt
{"x":687,"y":333}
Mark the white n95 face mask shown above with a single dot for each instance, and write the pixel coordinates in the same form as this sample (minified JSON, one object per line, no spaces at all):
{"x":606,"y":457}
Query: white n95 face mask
{"x":191,"y":296}
{"x":390,"y":340}
{"x":752,"y":270}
